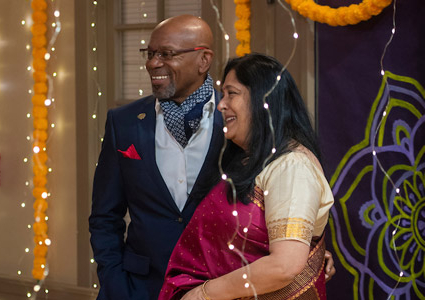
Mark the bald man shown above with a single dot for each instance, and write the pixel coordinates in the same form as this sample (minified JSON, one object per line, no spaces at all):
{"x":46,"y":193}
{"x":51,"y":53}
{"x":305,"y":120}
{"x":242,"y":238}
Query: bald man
{"x":156,"y":154}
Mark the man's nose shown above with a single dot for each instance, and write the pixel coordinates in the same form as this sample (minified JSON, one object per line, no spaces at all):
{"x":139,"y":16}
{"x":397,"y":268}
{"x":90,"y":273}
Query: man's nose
{"x":154,"y":62}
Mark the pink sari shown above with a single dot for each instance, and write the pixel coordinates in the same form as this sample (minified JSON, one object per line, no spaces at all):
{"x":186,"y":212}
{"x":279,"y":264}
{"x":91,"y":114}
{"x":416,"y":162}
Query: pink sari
{"x":202,"y":251}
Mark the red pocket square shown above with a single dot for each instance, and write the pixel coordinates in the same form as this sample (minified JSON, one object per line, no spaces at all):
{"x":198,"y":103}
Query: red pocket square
{"x":130,"y":153}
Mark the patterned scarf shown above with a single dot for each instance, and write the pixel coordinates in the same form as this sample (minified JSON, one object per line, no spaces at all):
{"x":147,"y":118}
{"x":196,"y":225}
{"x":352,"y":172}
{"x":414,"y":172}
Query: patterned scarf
{"x":183,"y":120}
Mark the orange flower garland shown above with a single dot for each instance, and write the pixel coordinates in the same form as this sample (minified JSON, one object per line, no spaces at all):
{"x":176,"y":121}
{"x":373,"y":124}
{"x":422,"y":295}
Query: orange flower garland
{"x":242,"y":26}
{"x":40,"y":135}
{"x":341,"y":16}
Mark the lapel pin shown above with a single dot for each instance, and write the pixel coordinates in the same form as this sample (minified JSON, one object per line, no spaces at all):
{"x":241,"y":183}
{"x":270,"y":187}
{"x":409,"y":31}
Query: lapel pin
{"x":141,"y":116}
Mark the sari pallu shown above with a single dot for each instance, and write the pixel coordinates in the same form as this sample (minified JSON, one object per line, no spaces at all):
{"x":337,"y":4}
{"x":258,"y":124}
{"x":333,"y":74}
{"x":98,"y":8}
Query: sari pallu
{"x":202,"y":251}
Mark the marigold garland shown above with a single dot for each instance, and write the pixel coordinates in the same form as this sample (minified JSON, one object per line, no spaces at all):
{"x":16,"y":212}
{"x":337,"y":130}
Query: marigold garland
{"x":242,"y":26}
{"x":341,"y":16}
{"x":40,"y":135}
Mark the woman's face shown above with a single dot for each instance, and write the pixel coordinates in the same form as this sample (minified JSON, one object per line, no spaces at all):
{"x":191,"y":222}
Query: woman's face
{"x":235,"y":106}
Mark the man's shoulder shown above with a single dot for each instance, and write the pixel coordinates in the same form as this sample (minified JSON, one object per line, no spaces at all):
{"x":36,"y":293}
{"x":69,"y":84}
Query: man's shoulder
{"x":135,"y":106}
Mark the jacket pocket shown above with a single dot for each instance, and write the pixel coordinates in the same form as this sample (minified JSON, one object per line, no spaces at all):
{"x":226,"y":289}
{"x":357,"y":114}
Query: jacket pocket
{"x":136,"y":263}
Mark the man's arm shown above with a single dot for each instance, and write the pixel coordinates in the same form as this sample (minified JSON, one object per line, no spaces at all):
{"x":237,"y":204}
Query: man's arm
{"x":329,"y":268}
{"x":106,"y":222}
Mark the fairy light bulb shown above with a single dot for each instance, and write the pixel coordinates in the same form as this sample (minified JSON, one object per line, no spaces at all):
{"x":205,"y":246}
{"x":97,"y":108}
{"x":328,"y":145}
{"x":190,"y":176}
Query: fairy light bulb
{"x":55,"y":74}
{"x":47,"y":56}
{"x":382,"y":72}
{"x":266,"y":192}
{"x":94,"y":116}
{"x":94,"y":49}
{"x":92,"y":260}
{"x":95,"y":2}
{"x":224,"y":129}
{"x":231,"y":246}
{"x":48,"y":242}
{"x":28,"y":295}
{"x":47,"y":102}
{"x":93,"y":25}
{"x":224,"y":176}
{"x":56,"y":13}
{"x":235,"y":213}
{"x":29,"y":68}
{"x":226,"y":37}
{"x":28,"y":115}
{"x":37,"y":288}
{"x":266,"y":106}
{"x":53,"y":24}
{"x":246,"y":285}
{"x":94,"y":285}
{"x":27,"y":250}
{"x":23,"y":204}
{"x":374,"y":153}
{"x":274,"y":150}
{"x":53,"y":125}
{"x":244,"y":276}
{"x":23,"y":22}
{"x":295,"y":35}
{"x":29,"y":91}
{"x":44,"y":195}
{"x":19,"y":272}
{"x":25,"y":159}
{"x":245,"y":230}
{"x":28,"y":47}
{"x":218,"y":82}
{"x":27,"y":183}
{"x":46,"y":291}
{"x":99,"y":94}
{"x":278,"y":78}
{"x":28,"y":138}
{"x":94,"y":68}
{"x":36,"y":149}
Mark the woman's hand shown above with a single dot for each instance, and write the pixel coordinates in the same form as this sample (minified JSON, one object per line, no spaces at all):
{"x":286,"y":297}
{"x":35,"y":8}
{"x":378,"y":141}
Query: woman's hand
{"x":194,"y":294}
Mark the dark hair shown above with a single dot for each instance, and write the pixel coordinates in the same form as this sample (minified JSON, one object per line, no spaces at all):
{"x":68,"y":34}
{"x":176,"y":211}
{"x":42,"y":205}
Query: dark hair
{"x":289,"y":117}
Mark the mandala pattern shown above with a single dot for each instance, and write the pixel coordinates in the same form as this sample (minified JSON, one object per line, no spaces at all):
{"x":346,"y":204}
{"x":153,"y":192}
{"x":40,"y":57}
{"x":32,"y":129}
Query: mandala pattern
{"x":378,"y":220}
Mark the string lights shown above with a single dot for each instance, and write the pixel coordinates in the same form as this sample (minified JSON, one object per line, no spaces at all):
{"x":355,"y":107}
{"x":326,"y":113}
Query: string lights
{"x":374,"y":152}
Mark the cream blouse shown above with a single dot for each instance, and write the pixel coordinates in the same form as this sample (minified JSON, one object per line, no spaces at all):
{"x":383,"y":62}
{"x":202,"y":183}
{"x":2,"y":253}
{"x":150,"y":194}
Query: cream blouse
{"x":297,"y":197}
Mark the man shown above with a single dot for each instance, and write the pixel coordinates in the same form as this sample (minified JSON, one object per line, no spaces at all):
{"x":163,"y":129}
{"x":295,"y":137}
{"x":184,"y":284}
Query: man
{"x":152,"y":153}
{"x":156,"y":154}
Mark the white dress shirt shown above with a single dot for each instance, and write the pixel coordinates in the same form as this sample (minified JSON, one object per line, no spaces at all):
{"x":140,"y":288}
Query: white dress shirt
{"x":180,"y":166}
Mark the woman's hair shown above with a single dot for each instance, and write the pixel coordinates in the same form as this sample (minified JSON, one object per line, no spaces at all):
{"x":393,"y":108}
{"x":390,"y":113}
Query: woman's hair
{"x":289,"y":117}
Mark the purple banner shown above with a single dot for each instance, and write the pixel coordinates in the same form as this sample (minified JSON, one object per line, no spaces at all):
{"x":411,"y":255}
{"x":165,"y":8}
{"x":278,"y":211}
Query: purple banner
{"x":372,"y":133}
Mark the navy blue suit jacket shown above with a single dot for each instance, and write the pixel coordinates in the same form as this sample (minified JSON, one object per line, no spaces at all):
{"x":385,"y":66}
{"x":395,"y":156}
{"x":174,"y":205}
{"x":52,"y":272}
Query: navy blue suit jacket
{"x":135,"y":268}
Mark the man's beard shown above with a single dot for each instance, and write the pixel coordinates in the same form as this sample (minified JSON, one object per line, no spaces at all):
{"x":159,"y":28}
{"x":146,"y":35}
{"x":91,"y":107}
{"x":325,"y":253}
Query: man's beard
{"x":165,"y":93}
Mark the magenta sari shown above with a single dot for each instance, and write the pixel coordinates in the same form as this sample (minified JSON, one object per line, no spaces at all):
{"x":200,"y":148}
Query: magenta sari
{"x":202,"y":251}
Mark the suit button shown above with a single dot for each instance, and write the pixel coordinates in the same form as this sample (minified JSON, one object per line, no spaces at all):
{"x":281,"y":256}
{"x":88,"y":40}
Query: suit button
{"x":180,"y":220}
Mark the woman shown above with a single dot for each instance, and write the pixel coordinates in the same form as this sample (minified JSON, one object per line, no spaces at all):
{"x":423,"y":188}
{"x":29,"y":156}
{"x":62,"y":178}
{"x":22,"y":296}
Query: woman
{"x":268,"y":240}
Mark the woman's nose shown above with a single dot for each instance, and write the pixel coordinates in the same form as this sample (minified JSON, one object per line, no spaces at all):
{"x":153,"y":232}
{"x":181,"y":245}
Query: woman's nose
{"x":222,"y":105}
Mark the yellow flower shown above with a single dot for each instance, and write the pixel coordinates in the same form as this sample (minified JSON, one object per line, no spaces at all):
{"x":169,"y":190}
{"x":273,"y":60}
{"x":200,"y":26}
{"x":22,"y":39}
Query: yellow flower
{"x":40,"y":123}
{"x":38,"y":4}
{"x":40,"y":180}
{"x":40,"y":205}
{"x":39,"y":17}
{"x":40,"y":88}
{"x":38,"y":99}
{"x":341,"y":16}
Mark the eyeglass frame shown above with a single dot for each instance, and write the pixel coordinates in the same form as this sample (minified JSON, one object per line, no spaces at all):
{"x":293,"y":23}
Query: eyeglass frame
{"x":159,"y":53}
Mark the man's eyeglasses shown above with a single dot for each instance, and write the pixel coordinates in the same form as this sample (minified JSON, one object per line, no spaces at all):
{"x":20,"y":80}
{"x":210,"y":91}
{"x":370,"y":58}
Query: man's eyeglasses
{"x":167,"y":54}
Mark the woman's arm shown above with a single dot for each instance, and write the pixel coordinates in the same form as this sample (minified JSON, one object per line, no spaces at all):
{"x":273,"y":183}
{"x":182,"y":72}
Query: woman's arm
{"x":269,"y":273}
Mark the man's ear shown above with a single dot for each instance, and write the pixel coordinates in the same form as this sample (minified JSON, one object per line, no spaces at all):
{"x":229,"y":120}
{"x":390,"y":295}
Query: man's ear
{"x":206,"y":60}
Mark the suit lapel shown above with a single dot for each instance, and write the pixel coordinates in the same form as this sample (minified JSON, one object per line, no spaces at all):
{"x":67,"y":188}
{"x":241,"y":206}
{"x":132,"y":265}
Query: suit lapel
{"x":146,"y":143}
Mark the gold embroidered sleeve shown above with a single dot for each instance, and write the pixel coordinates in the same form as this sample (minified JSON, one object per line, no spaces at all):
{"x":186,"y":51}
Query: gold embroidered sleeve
{"x":297,"y":198}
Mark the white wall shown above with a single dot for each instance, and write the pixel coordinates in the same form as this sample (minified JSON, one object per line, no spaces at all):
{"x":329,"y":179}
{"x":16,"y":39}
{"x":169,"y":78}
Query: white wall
{"x":15,"y":103}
